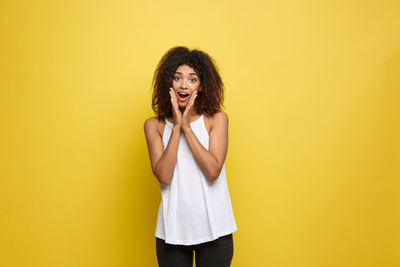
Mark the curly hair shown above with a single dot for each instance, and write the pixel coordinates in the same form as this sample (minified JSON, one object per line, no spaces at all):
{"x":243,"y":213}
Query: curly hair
{"x":208,"y":101}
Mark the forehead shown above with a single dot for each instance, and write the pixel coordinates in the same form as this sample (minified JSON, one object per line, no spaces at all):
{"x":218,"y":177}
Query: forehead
{"x":185,"y":69}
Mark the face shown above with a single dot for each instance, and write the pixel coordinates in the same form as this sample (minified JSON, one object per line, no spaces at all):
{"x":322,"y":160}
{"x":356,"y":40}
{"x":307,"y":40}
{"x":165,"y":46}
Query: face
{"x":185,"y":83}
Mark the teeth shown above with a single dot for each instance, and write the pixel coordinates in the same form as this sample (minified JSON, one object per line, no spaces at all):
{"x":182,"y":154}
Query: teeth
{"x":183,"y":94}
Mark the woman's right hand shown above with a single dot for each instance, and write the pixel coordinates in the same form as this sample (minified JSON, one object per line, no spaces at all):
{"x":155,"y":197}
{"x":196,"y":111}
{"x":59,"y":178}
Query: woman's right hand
{"x":175,"y":109}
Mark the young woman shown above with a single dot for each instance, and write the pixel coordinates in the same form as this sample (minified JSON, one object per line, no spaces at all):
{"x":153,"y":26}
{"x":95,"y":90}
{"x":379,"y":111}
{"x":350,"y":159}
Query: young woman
{"x":188,"y":143}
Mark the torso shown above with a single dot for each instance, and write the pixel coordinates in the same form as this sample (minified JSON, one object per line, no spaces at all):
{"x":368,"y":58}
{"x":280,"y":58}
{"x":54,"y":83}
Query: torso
{"x":192,"y":209}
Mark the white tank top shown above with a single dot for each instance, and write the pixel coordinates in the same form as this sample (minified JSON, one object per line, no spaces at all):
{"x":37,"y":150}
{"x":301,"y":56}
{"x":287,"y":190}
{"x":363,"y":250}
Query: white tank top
{"x":193,"y":210}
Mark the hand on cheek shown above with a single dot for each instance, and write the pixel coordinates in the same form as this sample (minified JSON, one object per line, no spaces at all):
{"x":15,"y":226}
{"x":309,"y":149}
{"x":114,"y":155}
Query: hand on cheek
{"x":177,"y":116}
{"x":188,"y":111}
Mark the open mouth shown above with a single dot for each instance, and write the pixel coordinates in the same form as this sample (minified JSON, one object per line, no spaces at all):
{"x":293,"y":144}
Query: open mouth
{"x":183,"y":96}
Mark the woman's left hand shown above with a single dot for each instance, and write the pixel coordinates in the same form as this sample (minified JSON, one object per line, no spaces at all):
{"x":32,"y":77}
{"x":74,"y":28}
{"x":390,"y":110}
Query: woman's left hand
{"x":188,"y":111}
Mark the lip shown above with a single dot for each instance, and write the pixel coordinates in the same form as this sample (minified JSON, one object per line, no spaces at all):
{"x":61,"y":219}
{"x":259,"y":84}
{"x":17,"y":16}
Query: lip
{"x":182,"y":99}
{"x":186,"y":92}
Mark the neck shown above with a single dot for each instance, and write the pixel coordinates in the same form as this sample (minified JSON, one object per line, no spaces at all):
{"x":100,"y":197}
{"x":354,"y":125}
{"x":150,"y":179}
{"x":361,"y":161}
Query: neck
{"x":193,"y":113}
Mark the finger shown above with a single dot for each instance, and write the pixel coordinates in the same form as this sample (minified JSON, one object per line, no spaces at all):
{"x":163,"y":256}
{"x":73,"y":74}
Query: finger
{"x":172,"y":94}
{"x":172,"y":98}
{"x":192,"y":99}
{"x":189,"y":107}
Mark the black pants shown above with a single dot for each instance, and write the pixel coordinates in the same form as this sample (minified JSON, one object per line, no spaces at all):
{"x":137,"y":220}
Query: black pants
{"x":216,"y":253}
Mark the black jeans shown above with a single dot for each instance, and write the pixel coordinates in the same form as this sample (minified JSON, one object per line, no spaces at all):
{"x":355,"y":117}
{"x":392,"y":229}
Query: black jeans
{"x":216,"y":253}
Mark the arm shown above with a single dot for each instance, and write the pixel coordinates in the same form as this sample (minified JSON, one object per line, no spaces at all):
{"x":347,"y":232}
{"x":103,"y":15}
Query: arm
{"x":162,"y":162}
{"x":210,"y":161}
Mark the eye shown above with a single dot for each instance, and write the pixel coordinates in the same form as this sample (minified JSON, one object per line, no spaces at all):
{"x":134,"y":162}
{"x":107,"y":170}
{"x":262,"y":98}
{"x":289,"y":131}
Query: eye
{"x":176,"y":78}
{"x":193,"y":80}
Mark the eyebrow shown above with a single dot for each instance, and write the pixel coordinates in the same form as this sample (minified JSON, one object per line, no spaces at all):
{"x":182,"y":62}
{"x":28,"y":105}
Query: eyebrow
{"x":189,"y":73}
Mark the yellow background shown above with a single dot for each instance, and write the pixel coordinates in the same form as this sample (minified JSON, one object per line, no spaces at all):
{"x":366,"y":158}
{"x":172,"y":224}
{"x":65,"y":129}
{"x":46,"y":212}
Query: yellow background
{"x":312,"y":94}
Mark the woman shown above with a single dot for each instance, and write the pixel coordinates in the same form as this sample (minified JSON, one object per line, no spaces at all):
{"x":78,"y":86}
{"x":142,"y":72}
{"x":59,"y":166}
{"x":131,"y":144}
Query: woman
{"x":187,"y":143}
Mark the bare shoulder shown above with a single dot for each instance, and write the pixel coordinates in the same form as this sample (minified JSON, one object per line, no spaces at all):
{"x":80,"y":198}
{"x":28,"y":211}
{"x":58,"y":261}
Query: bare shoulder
{"x":221,"y":116}
{"x":150,"y":123}
{"x":153,"y":125}
{"x":218,"y":119}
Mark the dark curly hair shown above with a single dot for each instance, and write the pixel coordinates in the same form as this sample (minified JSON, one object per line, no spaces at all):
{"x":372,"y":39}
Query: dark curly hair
{"x":208,"y":101}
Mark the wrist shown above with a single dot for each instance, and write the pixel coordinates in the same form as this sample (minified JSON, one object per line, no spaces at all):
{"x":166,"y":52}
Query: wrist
{"x":176,"y":127}
{"x":186,"y":128}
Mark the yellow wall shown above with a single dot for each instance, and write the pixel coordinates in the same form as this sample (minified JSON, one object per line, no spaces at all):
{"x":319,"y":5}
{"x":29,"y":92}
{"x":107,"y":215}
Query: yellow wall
{"x":312,"y":93}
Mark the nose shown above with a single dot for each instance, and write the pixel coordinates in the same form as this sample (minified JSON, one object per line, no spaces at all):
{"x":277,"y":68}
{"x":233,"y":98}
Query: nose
{"x":184,"y":83}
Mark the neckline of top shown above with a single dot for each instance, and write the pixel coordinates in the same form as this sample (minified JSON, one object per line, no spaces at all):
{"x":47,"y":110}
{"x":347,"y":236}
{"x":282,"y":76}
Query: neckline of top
{"x":195,"y":121}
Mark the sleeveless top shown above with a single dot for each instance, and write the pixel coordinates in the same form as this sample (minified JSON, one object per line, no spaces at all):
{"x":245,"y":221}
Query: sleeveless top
{"x":193,"y":210}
